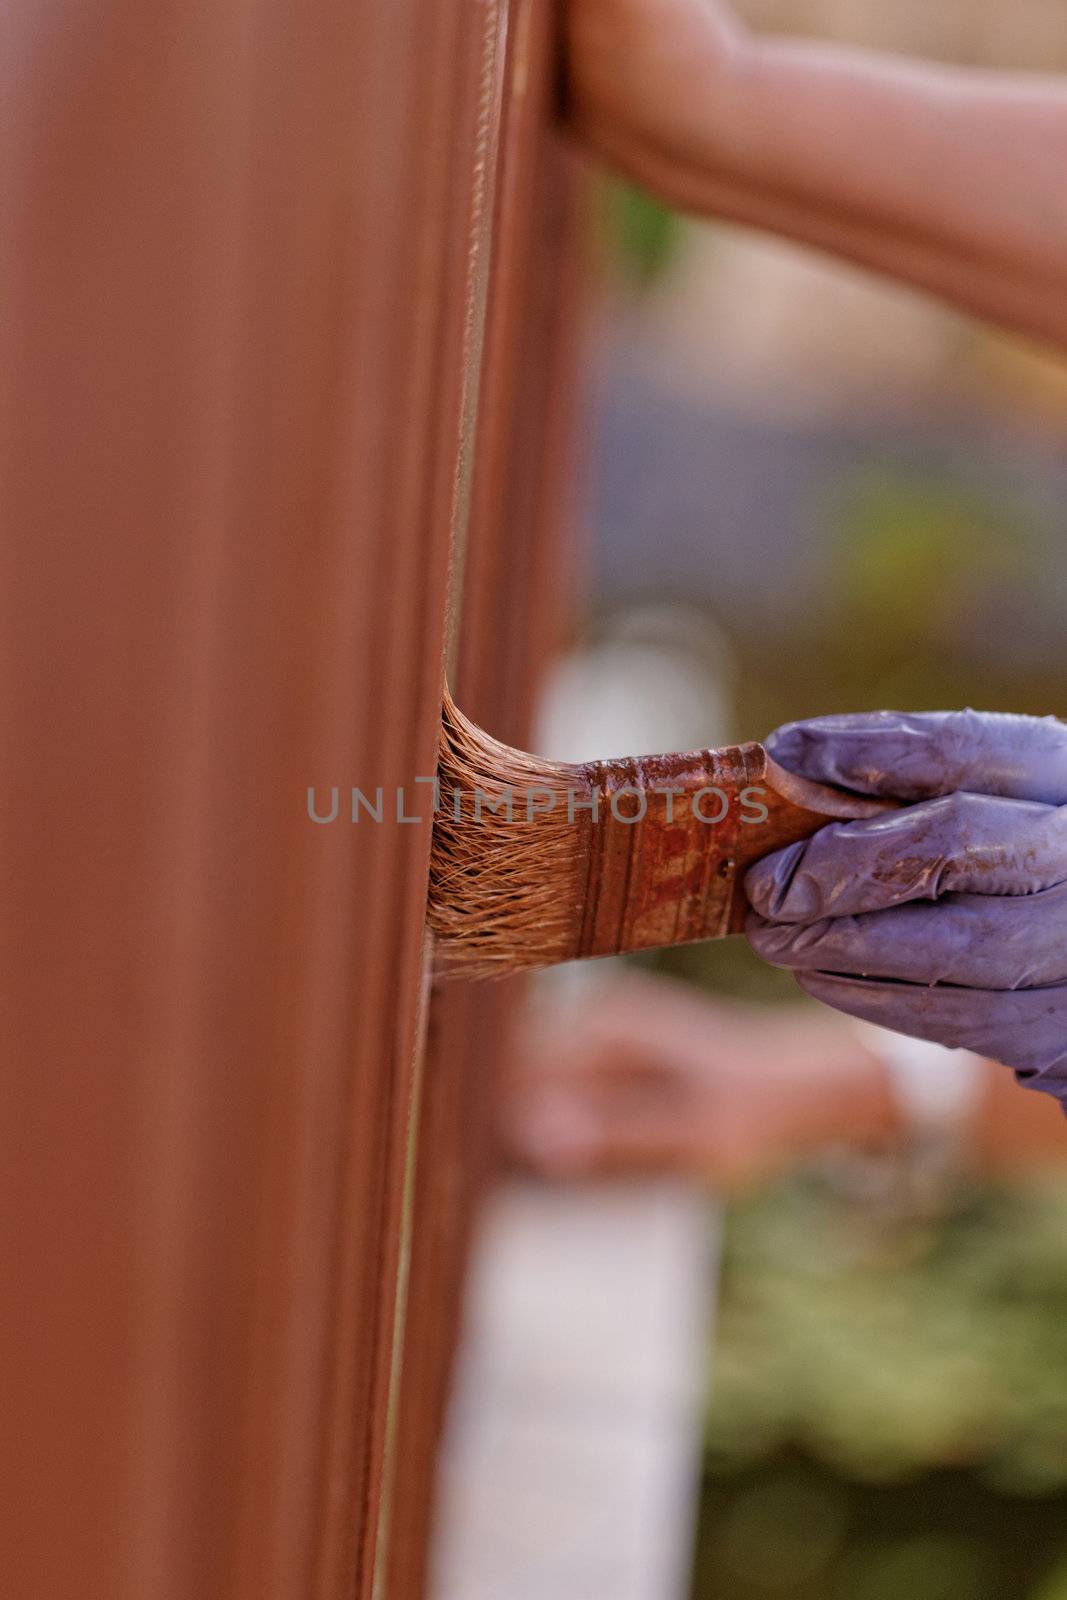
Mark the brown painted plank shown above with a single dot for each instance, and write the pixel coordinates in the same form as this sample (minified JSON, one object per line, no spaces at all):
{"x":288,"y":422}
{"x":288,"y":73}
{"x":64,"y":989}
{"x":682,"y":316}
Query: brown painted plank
{"x":516,"y":580}
{"x":234,"y":277}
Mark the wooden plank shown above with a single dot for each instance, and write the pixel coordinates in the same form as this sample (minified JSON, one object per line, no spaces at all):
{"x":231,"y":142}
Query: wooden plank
{"x":515,"y":600}
{"x":240,"y":286}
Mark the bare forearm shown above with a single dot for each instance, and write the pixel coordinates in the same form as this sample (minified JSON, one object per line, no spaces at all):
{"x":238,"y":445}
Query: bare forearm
{"x":997,"y":294}
{"x":966,"y":162}
{"x":952,"y":180}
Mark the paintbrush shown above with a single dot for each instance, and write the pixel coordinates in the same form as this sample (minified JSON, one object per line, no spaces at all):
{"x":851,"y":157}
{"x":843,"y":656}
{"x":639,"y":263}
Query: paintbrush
{"x":537,"y":862}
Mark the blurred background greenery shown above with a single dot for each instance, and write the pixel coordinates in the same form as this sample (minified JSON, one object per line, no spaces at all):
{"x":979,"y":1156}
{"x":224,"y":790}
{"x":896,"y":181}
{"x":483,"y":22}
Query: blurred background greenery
{"x":889,"y":1414}
{"x":864,"y":495}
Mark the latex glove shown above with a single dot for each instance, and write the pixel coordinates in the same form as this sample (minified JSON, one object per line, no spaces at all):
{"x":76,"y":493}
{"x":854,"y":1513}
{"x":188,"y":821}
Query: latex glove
{"x":946,"y":920}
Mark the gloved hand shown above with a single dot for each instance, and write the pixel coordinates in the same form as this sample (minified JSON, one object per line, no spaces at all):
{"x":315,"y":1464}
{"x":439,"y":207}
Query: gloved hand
{"x":946,"y":920}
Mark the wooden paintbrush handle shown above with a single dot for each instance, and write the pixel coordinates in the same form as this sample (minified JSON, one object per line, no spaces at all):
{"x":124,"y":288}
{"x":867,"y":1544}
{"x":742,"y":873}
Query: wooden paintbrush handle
{"x":665,"y":855}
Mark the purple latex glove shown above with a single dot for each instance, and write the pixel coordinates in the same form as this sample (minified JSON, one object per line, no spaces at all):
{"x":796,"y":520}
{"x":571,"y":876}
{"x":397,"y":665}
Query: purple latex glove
{"x":946,"y":920}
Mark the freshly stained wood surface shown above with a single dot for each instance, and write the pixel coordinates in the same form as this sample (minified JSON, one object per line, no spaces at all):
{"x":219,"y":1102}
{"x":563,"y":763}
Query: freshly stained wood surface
{"x":243,"y":277}
{"x":513,"y":594}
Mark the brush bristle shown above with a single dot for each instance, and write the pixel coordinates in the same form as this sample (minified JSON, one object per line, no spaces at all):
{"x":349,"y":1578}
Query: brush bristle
{"x":504,"y":893}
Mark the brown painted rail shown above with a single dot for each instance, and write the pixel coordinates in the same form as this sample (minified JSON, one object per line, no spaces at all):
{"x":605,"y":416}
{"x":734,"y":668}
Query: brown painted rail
{"x":245,"y":271}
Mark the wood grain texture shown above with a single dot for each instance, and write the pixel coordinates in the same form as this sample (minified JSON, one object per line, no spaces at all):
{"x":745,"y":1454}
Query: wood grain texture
{"x":515,"y":582}
{"x":234,"y":282}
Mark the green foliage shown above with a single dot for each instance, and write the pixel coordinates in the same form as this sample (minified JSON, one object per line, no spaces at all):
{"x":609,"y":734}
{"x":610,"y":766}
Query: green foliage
{"x":912,"y":555}
{"x":889,"y":1402}
{"x":1054,"y":1586}
{"x":793,"y":1529}
{"x":928,"y":1566}
{"x":888,"y":1348}
{"x":922,"y":572}
{"x":642,"y":236}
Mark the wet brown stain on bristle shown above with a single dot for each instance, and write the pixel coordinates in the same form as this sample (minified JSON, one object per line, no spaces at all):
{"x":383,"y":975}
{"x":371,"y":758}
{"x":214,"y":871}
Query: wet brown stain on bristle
{"x":503,"y":893}
{"x":537,"y":862}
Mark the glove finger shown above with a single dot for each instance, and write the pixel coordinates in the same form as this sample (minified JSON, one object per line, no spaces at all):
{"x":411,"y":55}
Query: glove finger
{"x":917,"y":755}
{"x":959,"y":843}
{"x":976,"y":941}
{"x":1029,"y":1025}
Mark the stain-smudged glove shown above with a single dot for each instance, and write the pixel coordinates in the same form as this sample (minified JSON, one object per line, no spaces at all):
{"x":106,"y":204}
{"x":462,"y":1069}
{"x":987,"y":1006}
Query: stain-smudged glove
{"x":947,"y":919}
